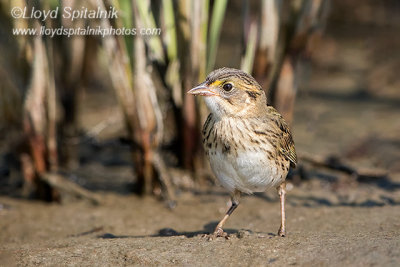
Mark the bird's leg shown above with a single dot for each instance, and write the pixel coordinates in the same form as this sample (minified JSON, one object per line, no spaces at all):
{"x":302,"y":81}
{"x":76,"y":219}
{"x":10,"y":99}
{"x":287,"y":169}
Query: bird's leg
{"x":219,"y":232}
{"x":282,"y":193}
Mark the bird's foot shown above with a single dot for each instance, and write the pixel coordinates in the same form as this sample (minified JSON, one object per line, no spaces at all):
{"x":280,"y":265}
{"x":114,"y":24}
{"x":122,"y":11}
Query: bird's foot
{"x":282,"y":232}
{"x":219,"y":232}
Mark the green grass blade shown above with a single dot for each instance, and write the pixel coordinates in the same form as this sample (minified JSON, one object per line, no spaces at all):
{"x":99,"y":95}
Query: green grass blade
{"x":146,"y":20}
{"x":217,"y":18}
{"x":248,"y":59}
{"x":170,"y":29}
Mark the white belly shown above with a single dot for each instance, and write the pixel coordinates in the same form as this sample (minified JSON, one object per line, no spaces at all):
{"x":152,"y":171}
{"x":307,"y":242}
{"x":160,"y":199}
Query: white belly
{"x":248,"y":172}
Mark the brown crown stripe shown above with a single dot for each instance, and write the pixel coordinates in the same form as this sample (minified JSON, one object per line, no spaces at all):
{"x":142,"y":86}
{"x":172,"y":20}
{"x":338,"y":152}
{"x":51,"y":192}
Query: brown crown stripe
{"x":224,"y":73}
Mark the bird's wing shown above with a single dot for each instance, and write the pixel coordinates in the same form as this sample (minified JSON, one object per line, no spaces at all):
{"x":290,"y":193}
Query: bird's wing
{"x":285,"y":140}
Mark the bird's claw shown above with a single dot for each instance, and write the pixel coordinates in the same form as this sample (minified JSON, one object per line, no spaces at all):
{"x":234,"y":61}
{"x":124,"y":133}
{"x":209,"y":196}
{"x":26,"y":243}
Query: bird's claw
{"x":282,"y":232}
{"x":219,"y":232}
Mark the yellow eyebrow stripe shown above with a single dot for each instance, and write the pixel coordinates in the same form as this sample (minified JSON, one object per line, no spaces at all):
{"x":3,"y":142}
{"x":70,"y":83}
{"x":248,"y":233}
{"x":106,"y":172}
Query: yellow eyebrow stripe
{"x":216,"y":83}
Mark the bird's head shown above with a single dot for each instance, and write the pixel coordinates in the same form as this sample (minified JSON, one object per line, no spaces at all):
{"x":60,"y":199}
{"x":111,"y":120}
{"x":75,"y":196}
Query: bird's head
{"x":231,"y":92}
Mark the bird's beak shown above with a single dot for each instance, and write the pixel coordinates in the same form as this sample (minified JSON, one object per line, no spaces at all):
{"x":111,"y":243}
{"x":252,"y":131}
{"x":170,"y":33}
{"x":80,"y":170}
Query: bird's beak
{"x":203,"y":90}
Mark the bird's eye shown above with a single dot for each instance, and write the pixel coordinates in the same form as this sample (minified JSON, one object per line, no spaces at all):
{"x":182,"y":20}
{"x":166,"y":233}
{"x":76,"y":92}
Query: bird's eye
{"x":227,"y":87}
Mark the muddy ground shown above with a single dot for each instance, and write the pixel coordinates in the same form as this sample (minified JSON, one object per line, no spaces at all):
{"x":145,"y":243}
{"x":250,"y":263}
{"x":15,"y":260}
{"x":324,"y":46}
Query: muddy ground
{"x":132,"y":231}
{"x":348,"y":106}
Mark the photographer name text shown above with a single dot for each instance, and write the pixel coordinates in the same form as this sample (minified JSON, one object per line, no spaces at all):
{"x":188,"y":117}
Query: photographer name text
{"x":66,"y":13}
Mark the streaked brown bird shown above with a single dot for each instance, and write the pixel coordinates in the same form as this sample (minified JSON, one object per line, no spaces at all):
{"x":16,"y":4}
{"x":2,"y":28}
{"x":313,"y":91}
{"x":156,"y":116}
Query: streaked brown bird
{"x":248,"y":143}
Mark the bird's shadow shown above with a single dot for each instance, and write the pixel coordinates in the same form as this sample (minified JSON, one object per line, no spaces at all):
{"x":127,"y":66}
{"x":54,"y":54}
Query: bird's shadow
{"x":168,"y":232}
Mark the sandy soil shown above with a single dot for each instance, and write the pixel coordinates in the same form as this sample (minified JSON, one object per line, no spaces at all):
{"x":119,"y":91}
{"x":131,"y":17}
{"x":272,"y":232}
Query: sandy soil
{"x":126,"y":230}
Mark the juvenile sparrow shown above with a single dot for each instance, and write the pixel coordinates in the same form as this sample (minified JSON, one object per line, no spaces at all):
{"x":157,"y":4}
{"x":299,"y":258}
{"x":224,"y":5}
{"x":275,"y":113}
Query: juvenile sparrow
{"x":248,"y":143}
